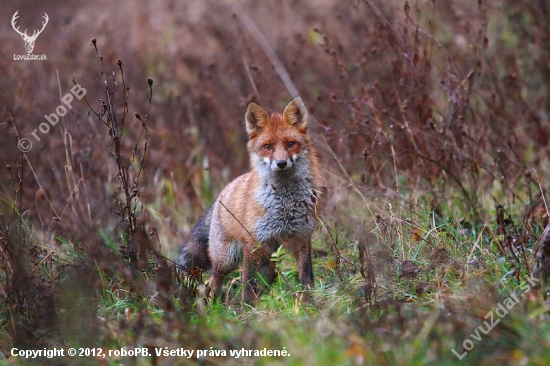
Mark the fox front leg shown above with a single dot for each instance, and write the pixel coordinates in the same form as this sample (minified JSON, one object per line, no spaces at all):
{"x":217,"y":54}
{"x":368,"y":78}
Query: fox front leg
{"x":301,"y":248}
{"x":305,"y":271}
{"x":258,"y":268}
{"x":215,"y":285}
{"x":250,"y":287}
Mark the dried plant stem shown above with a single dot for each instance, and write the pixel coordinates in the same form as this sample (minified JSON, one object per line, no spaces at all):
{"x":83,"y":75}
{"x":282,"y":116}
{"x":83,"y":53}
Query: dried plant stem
{"x":268,"y":50}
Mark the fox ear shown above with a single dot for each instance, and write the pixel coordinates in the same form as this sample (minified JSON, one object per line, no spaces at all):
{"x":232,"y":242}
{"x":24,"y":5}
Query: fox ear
{"x":255,"y":118}
{"x":295,"y":113}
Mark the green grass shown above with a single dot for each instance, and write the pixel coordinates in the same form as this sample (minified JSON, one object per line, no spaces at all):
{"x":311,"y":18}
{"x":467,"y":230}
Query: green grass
{"x":410,"y":320}
{"x":433,"y":279}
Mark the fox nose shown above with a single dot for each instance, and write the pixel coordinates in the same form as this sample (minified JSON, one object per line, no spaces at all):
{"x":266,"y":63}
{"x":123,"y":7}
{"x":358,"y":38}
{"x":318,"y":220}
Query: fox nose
{"x":281,"y":164}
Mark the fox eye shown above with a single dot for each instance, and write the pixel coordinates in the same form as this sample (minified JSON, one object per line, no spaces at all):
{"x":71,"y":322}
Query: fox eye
{"x":267,"y":146}
{"x":290,"y":144}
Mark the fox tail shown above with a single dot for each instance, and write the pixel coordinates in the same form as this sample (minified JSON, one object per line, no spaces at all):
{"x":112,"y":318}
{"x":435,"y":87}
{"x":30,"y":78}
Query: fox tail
{"x":194,"y":252}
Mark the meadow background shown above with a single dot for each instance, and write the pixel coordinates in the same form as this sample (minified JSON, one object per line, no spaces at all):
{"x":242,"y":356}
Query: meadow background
{"x":431,"y":120}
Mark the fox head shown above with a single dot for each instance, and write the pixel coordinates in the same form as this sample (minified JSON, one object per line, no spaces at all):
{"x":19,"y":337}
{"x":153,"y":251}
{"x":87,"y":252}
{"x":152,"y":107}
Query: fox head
{"x":278,"y":144}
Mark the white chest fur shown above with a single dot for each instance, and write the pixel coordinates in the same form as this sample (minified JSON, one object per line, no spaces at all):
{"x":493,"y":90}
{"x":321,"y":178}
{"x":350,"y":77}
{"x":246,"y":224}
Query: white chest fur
{"x":289,"y":203}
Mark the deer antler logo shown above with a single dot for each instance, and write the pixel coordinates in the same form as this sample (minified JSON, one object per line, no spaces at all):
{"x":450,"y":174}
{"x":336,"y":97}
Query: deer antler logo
{"x":29,"y":40}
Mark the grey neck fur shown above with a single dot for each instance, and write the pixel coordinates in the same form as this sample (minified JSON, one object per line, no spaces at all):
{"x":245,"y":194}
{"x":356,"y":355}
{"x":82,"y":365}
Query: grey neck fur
{"x":288,"y":199}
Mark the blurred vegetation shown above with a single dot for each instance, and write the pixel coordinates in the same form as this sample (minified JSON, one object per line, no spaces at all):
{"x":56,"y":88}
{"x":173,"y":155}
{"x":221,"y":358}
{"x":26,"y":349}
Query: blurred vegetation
{"x":431,"y":119}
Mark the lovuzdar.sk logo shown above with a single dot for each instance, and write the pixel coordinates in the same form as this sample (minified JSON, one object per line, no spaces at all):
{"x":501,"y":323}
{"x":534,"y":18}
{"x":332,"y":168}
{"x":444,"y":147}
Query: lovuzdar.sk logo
{"x":29,"y":40}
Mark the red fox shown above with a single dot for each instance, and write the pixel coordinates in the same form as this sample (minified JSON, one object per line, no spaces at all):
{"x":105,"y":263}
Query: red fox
{"x":275,"y":203}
